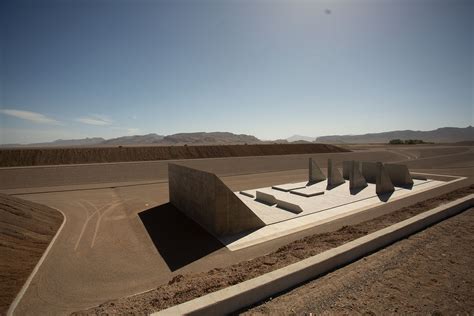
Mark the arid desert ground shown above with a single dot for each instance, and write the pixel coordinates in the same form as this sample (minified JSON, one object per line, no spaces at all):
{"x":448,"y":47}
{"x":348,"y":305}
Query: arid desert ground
{"x":121,"y":237}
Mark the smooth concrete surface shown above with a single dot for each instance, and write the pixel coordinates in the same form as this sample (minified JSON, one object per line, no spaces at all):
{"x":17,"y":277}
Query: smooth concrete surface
{"x":369,"y":171}
{"x":289,"y":186}
{"x":356,"y":180}
{"x":315,"y":173}
{"x":346,"y":169}
{"x":266,"y":198}
{"x":249,"y":292}
{"x":335,"y":206}
{"x":383,"y":183}
{"x":203,"y":197}
{"x":308,"y":191}
{"x":399,"y":174}
{"x":335,"y":177}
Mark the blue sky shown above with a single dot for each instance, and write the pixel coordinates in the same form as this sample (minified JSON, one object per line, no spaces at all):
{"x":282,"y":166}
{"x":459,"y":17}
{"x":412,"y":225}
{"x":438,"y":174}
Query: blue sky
{"x":74,"y":69}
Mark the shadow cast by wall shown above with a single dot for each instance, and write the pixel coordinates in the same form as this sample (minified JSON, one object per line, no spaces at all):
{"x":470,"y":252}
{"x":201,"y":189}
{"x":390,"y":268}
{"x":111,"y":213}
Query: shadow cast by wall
{"x":178,"y":239}
{"x":384,"y":197}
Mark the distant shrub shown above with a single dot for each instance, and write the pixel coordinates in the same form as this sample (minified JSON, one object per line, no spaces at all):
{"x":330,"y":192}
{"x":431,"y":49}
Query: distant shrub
{"x":395,"y":142}
{"x":407,"y":142}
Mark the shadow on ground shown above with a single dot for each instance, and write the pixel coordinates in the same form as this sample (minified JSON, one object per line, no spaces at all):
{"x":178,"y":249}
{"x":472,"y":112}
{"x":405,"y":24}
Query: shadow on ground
{"x":178,"y":239}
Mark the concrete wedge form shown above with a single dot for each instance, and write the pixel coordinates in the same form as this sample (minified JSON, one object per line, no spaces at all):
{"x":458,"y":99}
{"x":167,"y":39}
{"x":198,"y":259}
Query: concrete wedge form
{"x":265,"y":198}
{"x":356,"y":180}
{"x":288,"y":206}
{"x":203,"y":197}
{"x":315,"y":174}
{"x":369,"y":171}
{"x":383,"y":183}
{"x":335,"y":178}
{"x":346,"y":169}
{"x":399,"y":174}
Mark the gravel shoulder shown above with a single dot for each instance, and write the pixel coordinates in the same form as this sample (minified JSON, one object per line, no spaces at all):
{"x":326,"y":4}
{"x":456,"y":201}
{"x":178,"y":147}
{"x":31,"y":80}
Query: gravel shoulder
{"x":427,"y":273}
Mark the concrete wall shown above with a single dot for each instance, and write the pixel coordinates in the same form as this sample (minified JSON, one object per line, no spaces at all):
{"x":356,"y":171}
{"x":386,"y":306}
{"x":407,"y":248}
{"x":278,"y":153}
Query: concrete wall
{"x":399,"y":174}
{"x":369,"y":171}
{"x":203,"y":197}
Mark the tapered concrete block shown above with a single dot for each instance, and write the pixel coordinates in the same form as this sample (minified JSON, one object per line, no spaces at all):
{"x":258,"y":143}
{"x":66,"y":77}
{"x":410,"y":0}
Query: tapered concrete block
{"x":356,"y":180}
{"x":399,"y":174}
{"x":265,"y":198}
{"x":315,"y":173}
{"x":369,"y":171}
{"x":383,"y":183}
{"x":203,"y":197}
{"x":288,"y":206}
{"x":346,"y":169}
{"x":335,"y":177}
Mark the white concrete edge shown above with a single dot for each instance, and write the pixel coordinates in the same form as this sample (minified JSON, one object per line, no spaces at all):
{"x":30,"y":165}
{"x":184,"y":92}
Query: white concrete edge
{"x":20,"y":294}
{"x":252,"y":291}
{"x":301,"y":228}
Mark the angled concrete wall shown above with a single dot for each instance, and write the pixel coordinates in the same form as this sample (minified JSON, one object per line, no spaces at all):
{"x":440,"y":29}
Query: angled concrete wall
{"x":203,"y":197}
{"x":346,"y":169}
{"x":383,"y":184}
{"x":356,"y":180}
{"x":399,"y":174}
{"x":369,"y":171}
{"x":335,"y":178}
{"x":265,"y":198}
{"x":315,"y":173}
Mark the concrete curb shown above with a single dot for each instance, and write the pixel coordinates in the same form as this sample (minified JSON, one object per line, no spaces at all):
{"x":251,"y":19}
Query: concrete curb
{"x":241,"y":295}
{"x":20,"y":294}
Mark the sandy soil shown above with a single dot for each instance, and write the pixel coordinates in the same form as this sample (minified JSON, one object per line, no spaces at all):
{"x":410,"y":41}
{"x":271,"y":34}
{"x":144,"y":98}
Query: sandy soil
{"x":430,"y":273}
{"x":54,"y":156}
{"x":26,"y":228}
{"x":185,"y":287}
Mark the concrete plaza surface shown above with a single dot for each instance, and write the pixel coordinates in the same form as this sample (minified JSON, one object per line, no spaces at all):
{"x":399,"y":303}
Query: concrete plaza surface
{"x":122,"y":237}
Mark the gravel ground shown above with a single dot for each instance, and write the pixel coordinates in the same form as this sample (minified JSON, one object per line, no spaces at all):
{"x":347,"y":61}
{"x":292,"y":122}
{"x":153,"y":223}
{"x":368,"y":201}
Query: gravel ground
{"x":183,"y":288}
{"x":430,"y":273}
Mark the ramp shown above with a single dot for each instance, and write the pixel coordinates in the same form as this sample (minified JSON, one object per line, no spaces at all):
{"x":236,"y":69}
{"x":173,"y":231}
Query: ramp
{"x":203,"y":197}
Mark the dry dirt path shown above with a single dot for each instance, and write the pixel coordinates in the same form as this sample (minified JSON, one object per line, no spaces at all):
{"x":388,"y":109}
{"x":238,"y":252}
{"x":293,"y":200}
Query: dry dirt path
{"x":428,"y":273}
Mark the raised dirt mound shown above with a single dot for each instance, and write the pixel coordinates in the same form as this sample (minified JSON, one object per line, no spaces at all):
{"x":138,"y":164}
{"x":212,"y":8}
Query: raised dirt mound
{"x":26,"y":228}
{"x":55,"y":156}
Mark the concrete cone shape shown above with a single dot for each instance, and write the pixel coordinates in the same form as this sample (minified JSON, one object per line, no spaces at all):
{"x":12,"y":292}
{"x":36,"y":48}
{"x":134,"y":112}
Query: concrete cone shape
{"x":334,"y":176}
{"x":315,"y":173}
{"x":356,"y":180}
{"x":383,"y":183}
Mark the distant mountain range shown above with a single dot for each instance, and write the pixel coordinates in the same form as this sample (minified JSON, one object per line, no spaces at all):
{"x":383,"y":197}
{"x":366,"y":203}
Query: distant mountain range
{"x":440,"y":135}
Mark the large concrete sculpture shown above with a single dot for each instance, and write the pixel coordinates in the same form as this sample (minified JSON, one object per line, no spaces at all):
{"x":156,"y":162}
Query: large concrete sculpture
{"x":369,"y":171}
{"x":383,"y":183}
{"x":203,"y":197}
{"x":334,"y":176}
{"x":356,"y":180}
{"x":399,"y":175}
{"x":315,"y":173}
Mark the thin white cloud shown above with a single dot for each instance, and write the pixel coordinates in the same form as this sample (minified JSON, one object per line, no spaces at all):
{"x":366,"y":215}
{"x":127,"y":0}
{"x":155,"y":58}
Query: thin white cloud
{"x":97,"y":120}
{"x":30,"y":116}
{"x":133,"y":131}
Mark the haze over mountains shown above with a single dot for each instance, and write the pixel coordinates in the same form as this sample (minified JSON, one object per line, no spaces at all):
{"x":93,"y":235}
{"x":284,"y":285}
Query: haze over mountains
{"x":440,"y":135}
